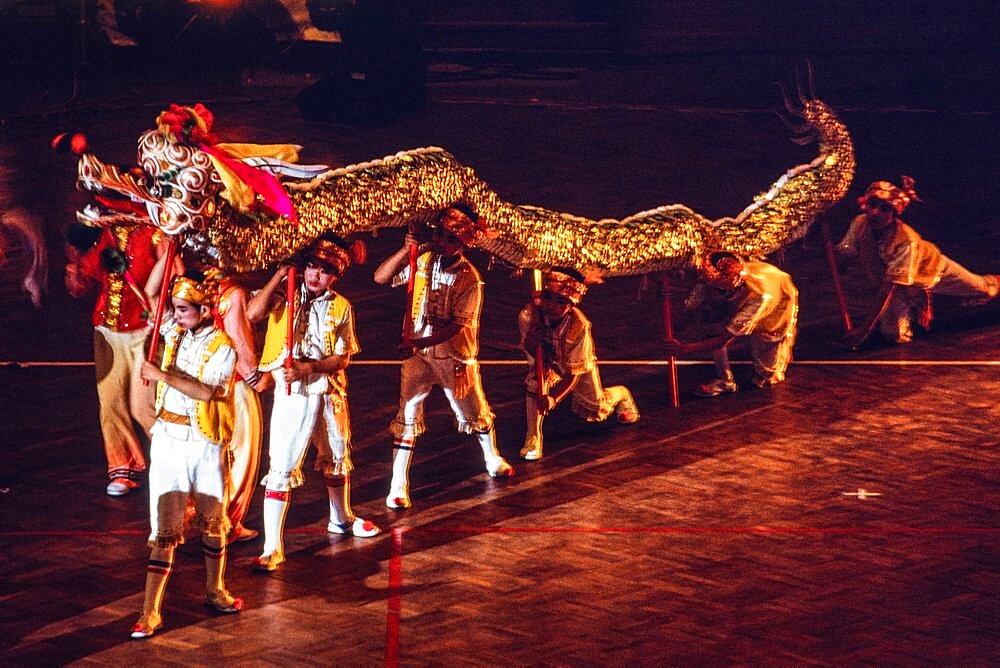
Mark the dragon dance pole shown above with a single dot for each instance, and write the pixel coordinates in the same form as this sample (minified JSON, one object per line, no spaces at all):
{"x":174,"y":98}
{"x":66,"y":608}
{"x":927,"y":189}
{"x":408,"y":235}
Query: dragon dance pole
{"x":668,"y":326}
{"x":837,"y":287}
{"x":290,"y":284}
{"x":410,"y":282}
{"x":168,"y":270}
{"x":539,"y":364}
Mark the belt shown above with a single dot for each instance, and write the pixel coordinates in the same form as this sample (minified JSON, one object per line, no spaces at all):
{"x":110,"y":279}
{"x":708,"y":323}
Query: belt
{"x":174,"y":418}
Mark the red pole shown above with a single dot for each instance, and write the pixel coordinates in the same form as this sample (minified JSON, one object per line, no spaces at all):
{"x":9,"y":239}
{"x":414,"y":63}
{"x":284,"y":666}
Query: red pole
{"x":168,"y":270}
{"x":410,"y":281}
{"x":837,"y":287}
{"x":668,"y":327}
{"x":539,"y":364}
{"x":290,"y":284}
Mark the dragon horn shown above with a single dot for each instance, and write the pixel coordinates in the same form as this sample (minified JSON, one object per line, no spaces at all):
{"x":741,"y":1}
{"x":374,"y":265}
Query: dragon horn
{"x":788,"y":103}
{"x":810,"y":80}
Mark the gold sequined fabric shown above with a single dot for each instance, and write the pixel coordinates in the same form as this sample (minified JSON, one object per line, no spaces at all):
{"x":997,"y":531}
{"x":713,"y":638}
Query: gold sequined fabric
{"x":415,"y":184}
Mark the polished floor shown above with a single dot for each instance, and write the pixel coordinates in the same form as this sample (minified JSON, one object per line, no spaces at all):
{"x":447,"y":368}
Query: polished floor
{"x":846,"y":517}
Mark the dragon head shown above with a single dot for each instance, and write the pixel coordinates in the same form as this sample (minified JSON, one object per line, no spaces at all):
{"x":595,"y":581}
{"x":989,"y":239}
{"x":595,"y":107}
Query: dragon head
{"x":176,"y":182}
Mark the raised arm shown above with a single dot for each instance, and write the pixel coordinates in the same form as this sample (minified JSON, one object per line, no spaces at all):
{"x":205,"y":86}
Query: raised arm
{"x":268,"y":297}
{"x":155,"y":280}
{"x":394,"y":264}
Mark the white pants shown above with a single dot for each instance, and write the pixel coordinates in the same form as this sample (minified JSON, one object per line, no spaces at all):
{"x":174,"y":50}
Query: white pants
{"x":770,"y":358}
{"x":182,"y":468}
{"x":295,"y":420}
{"x":955,"y":280}
{"x":418,"y":376}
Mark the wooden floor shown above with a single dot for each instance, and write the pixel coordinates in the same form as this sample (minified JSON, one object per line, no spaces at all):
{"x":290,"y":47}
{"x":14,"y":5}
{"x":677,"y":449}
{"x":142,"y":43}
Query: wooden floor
{"x":846,"y":517}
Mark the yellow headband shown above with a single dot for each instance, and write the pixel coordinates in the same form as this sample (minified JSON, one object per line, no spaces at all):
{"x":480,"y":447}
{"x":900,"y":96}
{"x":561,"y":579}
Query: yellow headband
{"x":191,"y":290}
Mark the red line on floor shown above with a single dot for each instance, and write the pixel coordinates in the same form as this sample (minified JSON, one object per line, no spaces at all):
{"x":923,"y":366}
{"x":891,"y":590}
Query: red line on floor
{"x":650,"y":530}
{"x":732,"y":530}
{"x":395,"y":588}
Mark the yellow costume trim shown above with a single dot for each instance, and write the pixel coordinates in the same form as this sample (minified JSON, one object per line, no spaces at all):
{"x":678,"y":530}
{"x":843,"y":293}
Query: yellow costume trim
{"x":214,"y":419}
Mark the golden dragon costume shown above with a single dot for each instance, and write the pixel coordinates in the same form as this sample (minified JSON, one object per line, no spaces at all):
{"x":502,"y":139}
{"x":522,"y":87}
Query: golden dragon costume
{"x":196,"y":189}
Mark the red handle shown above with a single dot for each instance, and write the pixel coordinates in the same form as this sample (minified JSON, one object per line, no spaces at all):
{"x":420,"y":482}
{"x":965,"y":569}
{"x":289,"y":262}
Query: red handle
{"x":668,"y":327}
{"x":168,"y":271}
{"x":837,"y":287}
{"x":539,"y":365}
{"x":290,"y":284}
{"x":410,"y":281}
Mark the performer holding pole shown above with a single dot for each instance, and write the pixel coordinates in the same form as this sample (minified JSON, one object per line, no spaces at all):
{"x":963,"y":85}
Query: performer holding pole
{"x":444,"y":343}
{"x":909,"y":268}
{"x":668,"y":326}
{"x":539,"y":361}
{"x":553,"y":323}
{"x":290,"y":285}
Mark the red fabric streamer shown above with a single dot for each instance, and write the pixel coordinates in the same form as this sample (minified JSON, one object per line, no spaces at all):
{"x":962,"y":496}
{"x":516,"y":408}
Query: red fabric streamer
{"x":263,"y":183}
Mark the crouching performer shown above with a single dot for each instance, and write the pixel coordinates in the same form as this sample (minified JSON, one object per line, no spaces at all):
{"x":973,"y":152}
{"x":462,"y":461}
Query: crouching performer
{"x":908,"y":267}
{"x":765,"y":303}
{"x":441,"y":342}
{"x":558,"y":328}
{"x":310,"y":397}
{"x":189,"y":451}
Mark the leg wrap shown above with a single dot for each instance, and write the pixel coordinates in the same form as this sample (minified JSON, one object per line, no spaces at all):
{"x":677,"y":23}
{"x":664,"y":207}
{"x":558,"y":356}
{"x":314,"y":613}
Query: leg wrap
{"x":338,"y":488}
{"x":158,"y":569}
{"x":276,"y":505}
{"x":214,"y":550}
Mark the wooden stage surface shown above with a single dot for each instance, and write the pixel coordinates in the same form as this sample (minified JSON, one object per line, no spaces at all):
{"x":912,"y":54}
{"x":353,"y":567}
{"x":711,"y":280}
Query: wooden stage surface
{"x":846,"y":517}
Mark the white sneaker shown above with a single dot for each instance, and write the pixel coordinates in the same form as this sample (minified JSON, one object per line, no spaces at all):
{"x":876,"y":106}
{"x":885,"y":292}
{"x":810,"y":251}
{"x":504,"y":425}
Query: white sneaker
{"x":499,"y":468}
{"x":397,"y":499}
{"x":716,"y":387}
{"x":121,"y":486}
{"x":532,"y":450}
{"x":359,"y":528}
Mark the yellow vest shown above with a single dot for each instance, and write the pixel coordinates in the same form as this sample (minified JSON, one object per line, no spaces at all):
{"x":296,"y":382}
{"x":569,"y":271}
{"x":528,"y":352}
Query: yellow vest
{"x":274,"y":352}
{"x":214,"y":419}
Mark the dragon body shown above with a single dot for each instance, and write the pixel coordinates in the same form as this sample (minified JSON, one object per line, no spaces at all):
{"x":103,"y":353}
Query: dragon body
{"x":184,"y":199}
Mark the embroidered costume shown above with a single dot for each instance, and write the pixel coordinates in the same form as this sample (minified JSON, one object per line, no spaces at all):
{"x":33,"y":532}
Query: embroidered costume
{"x":314,"y":408}
{"x":119,"y":263}
{"x":892,"y":252}
{"x":766,"y":310}
{"x":568,"y":353}
{"x":189,"y":457}
{"x":247,"y":439}
{"x":447,"y":297}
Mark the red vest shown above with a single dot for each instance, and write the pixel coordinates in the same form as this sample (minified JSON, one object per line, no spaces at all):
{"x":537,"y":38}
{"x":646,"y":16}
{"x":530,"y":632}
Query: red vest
{"x":118,"y":306}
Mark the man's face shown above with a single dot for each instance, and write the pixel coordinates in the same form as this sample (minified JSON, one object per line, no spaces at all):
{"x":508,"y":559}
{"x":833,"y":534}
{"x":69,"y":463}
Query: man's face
{"x":725,"y":274}
{"x":188,"y":315}
{"x":318,"y":277}
{"x":446,"y":243}
{"x":553,"y":306}
{"x":880,"y":213}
